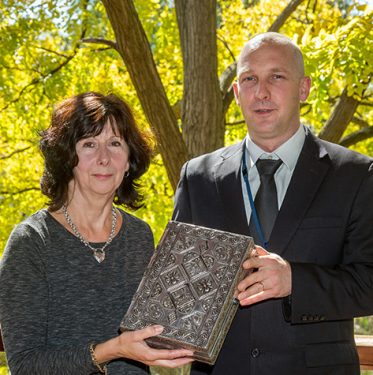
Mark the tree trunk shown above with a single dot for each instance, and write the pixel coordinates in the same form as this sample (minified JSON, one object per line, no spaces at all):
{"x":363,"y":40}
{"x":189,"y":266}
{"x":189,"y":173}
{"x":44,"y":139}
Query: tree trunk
{"x":339,"y":119}
{"x":134,"y":48}
{"x":202,"y":106}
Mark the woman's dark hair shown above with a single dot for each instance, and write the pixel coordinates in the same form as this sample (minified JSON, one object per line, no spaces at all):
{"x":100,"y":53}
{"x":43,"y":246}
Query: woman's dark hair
{"x":84,"y":116}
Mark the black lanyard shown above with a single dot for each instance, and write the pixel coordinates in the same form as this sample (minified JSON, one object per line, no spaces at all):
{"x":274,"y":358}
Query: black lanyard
{"x":254,"y":215}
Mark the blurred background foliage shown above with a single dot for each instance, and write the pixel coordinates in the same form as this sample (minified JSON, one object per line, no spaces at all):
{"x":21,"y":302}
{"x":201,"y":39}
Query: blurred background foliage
{"x":44,"y":60}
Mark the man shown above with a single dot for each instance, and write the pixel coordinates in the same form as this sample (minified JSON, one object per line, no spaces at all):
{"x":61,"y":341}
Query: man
{"x":297,"y":309}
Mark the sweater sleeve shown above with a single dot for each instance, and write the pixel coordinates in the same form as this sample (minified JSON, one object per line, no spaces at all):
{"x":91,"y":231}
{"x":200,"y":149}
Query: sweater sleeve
{"x":24,"y":312}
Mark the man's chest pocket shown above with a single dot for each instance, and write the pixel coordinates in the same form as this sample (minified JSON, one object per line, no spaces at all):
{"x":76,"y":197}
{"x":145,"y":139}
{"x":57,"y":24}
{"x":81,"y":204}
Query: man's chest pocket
{"x":321,"y":223}
{"x":319,"y":240}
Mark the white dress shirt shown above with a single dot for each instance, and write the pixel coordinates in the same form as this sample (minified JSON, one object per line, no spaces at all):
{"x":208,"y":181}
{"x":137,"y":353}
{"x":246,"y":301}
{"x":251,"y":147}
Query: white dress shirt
{"x":288,"y":152}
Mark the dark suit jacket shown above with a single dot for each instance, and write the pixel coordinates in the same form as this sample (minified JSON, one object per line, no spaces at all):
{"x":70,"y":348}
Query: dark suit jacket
{"x":324,"y":229}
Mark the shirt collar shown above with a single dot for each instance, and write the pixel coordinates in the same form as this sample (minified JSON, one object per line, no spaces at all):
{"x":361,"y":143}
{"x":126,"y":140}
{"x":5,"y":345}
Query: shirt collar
{"x":288,"y":152}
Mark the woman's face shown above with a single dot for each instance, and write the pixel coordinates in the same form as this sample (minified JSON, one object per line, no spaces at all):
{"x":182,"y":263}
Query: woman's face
{"x":103,"y":161}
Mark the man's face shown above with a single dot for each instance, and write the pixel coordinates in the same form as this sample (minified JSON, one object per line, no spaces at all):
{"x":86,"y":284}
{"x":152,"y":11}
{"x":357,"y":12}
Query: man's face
{"x":269,"y":89}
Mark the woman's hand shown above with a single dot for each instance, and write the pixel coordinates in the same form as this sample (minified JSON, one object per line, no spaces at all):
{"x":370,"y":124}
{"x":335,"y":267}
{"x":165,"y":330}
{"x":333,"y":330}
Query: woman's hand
{"x":132,"y":345}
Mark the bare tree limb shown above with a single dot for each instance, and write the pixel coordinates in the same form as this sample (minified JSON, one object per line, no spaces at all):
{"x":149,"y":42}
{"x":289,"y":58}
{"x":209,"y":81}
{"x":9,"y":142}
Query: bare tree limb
{"x":227,"y":78}
{"x":339,"y":119}
{"x":235,"y":123}
{"x":226,"y":45}
{"x":106,"y":42}
{"x":52,"y":51}
{"x":176,"y":108}
{"x":8,"y":156}
{"x":356,"y":137}
{"x":368,"y":104}
{"x":227,"y":99}
{"x":359,"y":121}
{"x":21,"y":191}
{"x":285,"y":14}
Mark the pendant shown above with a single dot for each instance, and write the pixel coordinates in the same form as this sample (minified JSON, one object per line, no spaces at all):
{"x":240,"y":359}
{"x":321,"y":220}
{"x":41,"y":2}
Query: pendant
{"x":99,"y":255}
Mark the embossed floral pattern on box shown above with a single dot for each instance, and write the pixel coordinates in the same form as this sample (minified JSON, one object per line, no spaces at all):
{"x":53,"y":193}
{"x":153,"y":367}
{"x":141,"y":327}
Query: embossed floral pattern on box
{"x":188,"y":288}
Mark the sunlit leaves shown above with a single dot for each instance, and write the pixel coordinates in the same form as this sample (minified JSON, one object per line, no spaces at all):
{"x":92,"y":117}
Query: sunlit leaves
{"x":158,"y":195}
{"x":338,"y":60}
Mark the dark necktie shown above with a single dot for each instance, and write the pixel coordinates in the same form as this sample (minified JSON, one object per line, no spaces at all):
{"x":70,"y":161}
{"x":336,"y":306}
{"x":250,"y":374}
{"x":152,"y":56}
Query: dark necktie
{"x":265,"y":202}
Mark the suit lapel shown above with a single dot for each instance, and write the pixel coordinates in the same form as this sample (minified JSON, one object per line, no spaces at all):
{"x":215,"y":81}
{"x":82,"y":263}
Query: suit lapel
{"x":228,"y":182}
{"x":309,"y":173}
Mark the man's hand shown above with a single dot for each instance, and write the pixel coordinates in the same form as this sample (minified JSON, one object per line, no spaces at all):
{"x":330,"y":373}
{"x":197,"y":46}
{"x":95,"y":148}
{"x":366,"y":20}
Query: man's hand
{"x":272,"y":278}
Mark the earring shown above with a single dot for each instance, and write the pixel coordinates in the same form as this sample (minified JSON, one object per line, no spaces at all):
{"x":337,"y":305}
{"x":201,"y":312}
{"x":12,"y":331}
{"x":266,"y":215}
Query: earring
{"x":126,"y":174}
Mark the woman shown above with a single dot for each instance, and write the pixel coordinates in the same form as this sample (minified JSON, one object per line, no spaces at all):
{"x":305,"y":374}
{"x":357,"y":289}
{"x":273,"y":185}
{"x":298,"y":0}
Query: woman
{"x":69,"y":272}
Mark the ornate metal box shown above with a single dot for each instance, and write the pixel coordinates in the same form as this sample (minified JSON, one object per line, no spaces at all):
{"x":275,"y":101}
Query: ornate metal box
{"x":188,"y":287}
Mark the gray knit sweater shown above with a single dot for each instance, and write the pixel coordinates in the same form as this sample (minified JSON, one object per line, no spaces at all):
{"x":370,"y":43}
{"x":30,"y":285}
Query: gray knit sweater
{"x":55,"y":298}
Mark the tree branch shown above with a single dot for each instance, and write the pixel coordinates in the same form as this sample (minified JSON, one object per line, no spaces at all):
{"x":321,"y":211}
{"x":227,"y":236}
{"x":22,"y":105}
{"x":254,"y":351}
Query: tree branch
{"x":21,"y":191}
{"x":227,"y":47}
{"x":3,"y":157}
{"x":227,"y":78}
{"x":227,"y":99}
{"x":359,"y":121}
{"x":285,"y":14}
{"x":235,"y":123}
{"x":106,"y":42}
{"x":176,"y":108}
{"x":52,"y":51}
{"x":356,"y":137}
{"x":368,"y":104}
{"x":340,"y":118}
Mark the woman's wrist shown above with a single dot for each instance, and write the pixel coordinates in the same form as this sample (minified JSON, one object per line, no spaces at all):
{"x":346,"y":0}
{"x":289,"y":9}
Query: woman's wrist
{"x":107,"y":351}
{"x":100,"y":365}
